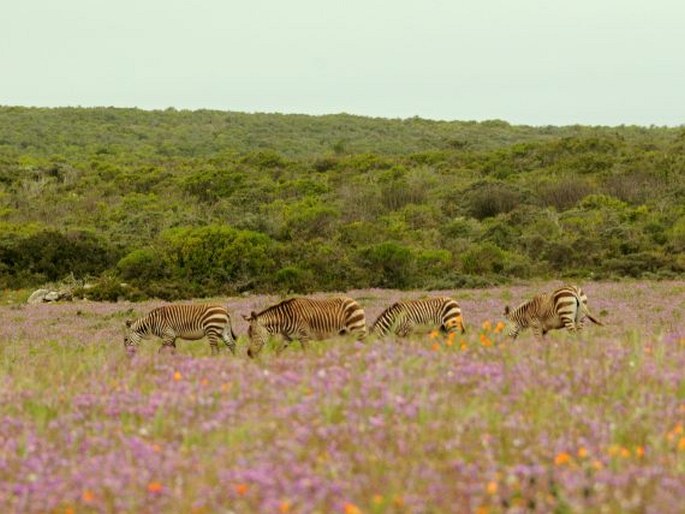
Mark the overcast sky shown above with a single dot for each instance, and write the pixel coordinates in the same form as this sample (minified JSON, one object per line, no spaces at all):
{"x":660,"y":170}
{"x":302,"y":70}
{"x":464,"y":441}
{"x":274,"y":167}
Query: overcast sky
{"x":536,"y":62}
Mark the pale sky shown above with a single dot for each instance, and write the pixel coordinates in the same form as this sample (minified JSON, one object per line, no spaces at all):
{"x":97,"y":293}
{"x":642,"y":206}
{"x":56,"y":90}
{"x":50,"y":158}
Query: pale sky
{"x":535,"y":62}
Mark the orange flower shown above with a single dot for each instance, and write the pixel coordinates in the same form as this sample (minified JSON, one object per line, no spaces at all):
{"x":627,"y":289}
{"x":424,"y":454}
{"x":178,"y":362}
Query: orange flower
{"x":463,"y":346}
{"x":681,"y":444}
{"x":398,"y":501}
{"x":435,"y":347}
{"x":284,"y":507}
{"x":482,"y":510}
{"x":625,"y":453}
{"x":156,"y":448}
{"x":88,"y":496}
{"x":434,"y":334}
{"x":154,"y":487}
{"x":485,"y":341}
{"x":582,"y":452}
{"x":639,"y":452}
{"x":597,"y":464}
{"x":69,"y":510}
{"x":487,"y":325}
{"x":177,"y":376}
{"x":492,"y":487}
{"x":241,"y":489}
{"x":351,"y":508}
{"x":500,"y":326}
{"x":562,"y":458}
{"x":377,"y":499}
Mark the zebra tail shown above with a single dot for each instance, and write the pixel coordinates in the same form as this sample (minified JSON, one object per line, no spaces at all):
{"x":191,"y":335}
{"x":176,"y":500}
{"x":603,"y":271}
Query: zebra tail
{"x":593,"y":319}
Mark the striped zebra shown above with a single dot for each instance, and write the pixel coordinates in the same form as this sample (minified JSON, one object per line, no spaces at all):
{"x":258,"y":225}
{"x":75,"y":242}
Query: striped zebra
{"x":185,"y":321}
{"x":565,"y":307}
{"x":305,"y":319}
{"x":402,"y":318}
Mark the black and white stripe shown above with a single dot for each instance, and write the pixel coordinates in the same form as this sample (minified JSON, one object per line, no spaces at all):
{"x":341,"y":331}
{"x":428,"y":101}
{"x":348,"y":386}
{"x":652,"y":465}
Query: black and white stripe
{"x":305,"y":319}
{"x":185,"y":321}
{"x":403,"y":317}
{"x":565,"y":307}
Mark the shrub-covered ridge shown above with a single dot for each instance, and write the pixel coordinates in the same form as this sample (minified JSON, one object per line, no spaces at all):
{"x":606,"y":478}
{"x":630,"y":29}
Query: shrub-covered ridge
{"x":181,"y":204}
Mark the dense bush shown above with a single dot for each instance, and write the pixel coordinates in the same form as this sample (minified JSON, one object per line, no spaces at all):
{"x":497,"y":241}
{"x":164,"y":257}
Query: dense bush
{"x":49,"y":256}
{"x":181,"y":204}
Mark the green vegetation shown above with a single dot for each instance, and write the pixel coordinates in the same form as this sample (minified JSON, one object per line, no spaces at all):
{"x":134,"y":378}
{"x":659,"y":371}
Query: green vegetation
{"x":179,"y":204}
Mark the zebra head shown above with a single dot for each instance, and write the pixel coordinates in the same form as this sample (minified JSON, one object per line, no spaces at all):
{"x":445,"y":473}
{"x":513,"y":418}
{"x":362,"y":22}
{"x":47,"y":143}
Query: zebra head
{"x":257,"y":333}
{"x":512,"y":326}
{"x":132,"y":338}
{"x":455,"y":323}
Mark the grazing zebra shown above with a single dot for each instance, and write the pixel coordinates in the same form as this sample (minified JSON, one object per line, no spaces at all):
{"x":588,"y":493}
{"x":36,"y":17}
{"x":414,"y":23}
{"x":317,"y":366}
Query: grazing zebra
{"x":402,"y":317}
{"x":305,"y":319}
{"x":565,"y":307}
{"x":185,"y":321}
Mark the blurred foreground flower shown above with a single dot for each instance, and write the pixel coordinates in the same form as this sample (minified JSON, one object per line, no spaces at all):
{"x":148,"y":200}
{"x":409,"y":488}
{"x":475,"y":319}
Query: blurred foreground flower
{"x":351,"y":508}
{"x":155,"y":487}
{"x":562,"y":459}
{"x":241,"y":489}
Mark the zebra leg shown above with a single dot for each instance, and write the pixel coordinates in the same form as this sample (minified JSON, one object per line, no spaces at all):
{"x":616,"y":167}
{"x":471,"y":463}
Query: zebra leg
{"x":538,"y":331}
{"x":283,"y":343}
{"x":168,"y":341}
{"x":228,"y":341}
{"x":168,"y":345}
{"x":213,"y":343}
{"x":304,"y":340}
{"x":570,"y":325}
{"x":405,"y":328}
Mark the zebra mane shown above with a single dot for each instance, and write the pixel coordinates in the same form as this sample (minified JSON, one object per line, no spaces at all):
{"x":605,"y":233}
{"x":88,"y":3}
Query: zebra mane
{"x":275,"y":307}
{"x":528,"y":304}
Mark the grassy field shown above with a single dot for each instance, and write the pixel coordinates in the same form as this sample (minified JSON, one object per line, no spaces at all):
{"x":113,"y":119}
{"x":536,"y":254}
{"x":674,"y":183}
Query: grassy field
{"x":474,"y":423}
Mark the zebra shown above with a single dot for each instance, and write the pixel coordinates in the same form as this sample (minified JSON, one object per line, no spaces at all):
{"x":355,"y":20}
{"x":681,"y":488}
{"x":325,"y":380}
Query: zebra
{"x":305,"y":319}
{"x":185,"y":321}
{"x":402,"y":318}
{"x":565,"y":307}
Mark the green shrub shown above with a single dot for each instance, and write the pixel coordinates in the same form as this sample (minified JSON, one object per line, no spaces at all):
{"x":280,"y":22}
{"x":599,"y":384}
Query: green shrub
{"x":143,"y":265}
{"x":484,"y":258}
{"x":49,"y":256}
{"x":220,"y":258}
{"x":292,"y":279}
{"x":110,"y":289}
{"x":488,"y":199}
{"x":389,"y":264}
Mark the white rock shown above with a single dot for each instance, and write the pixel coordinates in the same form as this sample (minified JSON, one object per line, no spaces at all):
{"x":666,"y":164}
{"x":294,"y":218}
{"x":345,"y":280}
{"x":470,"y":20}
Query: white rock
{"x":37,"y":296}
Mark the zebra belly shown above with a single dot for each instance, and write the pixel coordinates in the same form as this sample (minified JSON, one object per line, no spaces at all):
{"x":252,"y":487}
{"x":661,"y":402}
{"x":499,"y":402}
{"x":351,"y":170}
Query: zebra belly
{"x":191,"y":335}
{"x":552,"y":324}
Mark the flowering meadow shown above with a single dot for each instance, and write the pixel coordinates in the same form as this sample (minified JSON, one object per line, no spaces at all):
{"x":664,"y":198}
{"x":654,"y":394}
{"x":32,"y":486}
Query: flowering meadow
{"x":471,"y":423}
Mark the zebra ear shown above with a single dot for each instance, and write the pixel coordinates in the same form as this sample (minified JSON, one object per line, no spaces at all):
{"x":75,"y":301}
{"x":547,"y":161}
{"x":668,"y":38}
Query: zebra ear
{"x":253,"y":315}
{"x":507,"y":310}
{"x":129,"y":323}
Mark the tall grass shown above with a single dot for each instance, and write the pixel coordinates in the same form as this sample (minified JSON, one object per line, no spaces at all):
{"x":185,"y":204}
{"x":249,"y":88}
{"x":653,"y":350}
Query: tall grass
{"x":471,"y":423}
